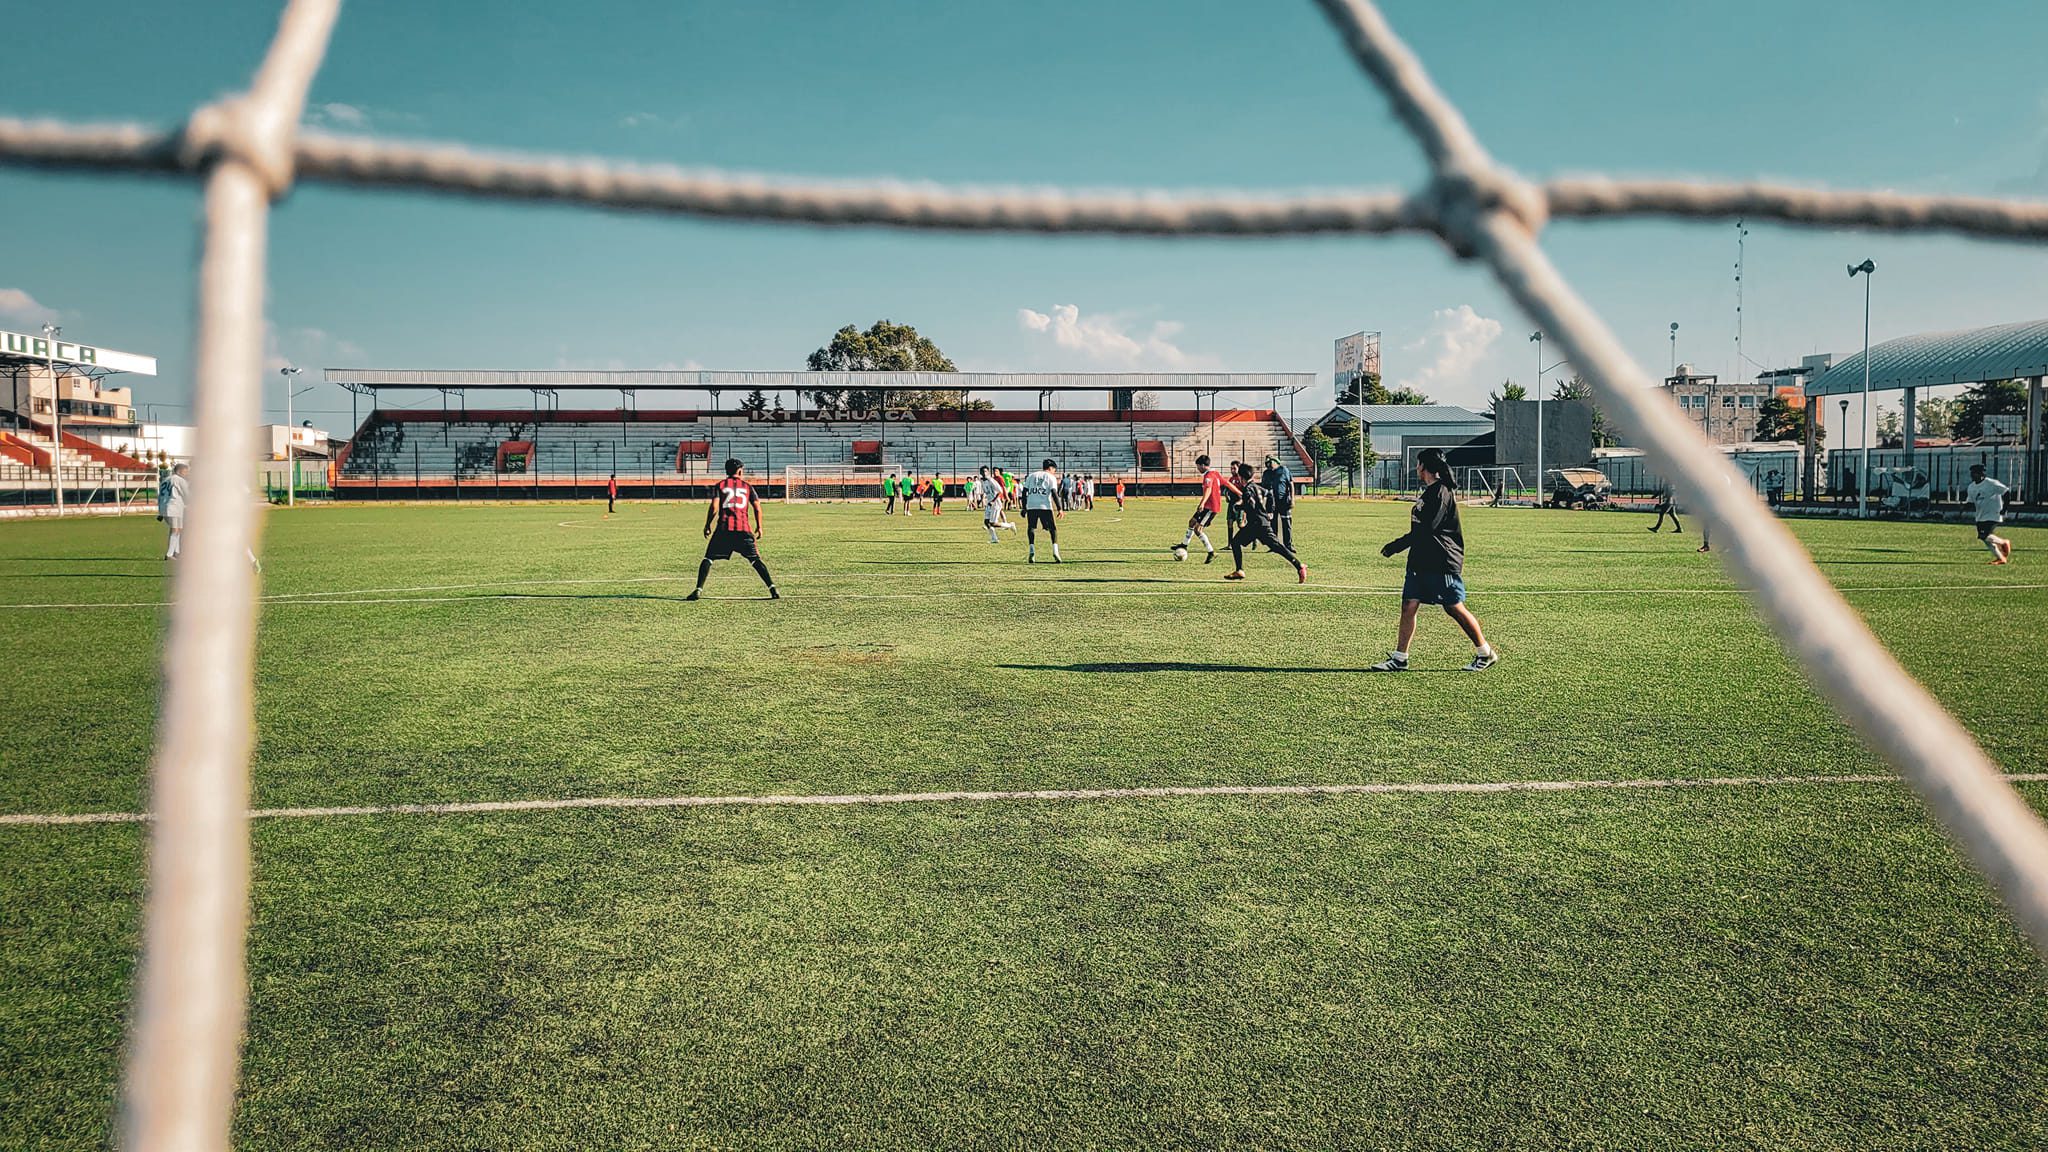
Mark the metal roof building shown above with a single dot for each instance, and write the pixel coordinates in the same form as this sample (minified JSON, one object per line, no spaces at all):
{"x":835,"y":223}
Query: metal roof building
{"x":2001,"y":352}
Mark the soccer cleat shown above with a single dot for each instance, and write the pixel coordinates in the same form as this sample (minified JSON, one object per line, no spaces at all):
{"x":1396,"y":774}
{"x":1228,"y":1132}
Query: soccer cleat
{"x":2005,"y":549}
{"x":1390,"y":664}
{"x":693,"y":594}
{"x":1210,"y":558}
{"x":1238,"y":575}
{"x":1481,"y":661}
{"x":1301,"y":574}
{"x":773,"y":594}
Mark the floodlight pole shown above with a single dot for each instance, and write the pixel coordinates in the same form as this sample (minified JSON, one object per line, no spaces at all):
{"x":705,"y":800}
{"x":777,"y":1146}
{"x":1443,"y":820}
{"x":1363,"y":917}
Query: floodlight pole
{"x":291,"y":493}
{"x":50,"y":334}
{"x":1537,"y":338}
{"x":1868,"y":270}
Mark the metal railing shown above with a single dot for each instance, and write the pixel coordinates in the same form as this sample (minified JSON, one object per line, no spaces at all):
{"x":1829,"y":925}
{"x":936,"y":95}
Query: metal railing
{"x":248,"y":149}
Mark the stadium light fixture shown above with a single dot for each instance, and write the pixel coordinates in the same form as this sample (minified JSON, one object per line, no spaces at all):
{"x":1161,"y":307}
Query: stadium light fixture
{"x":1868,"y":270}
{"x":1674,"y":348}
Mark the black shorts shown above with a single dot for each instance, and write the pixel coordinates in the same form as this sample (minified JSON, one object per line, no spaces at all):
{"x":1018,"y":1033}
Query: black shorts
{"x":1986,"y":528}
{"x":1038,"y":518}
{"x":1203,"y":517}
{"x":725,"y":542}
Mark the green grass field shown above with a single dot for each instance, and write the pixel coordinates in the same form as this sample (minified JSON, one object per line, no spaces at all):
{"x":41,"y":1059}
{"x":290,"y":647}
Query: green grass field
{"x":1783,"y":966}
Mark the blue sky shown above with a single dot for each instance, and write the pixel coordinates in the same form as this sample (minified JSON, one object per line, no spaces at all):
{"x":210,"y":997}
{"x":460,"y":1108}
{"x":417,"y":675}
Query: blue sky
{"x":1257,"y":94}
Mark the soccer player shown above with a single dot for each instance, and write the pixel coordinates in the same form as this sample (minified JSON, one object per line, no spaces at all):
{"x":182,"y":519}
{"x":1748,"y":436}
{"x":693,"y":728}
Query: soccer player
{"x":1205,"y":512}
{"x":1666,"y":506}
{"x":1042,"y":510}
{"x":1255,"y":505}
{"x":1436,"y":565}
{"x":1279,"y":483}
{"x":938,"y":494}
{"x":1119,"y":493}
{"x":726,"y":525}
{"x":1234,"y":516}
{"x":611,"y":494}
{"x":889,"y":495}
{"x":170,"y":508}
{"x":990,"y":492}
{"x":1987,"y":498}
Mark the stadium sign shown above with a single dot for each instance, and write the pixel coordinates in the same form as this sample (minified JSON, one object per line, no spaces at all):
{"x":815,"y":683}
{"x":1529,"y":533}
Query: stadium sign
{"x":84,"y":355}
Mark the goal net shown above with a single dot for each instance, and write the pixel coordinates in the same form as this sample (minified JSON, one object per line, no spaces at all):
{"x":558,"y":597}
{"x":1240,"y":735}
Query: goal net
{"x":829,"y":483}
{"x":1484,"y":483}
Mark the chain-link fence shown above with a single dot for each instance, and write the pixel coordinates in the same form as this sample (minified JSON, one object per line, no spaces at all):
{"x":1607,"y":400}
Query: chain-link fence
{"x":248,"y":150}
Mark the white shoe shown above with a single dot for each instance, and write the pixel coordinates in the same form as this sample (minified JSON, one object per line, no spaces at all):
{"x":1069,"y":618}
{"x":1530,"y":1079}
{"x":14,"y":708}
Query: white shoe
{"x":1481,"y":661}
{"x":1390,"y":664}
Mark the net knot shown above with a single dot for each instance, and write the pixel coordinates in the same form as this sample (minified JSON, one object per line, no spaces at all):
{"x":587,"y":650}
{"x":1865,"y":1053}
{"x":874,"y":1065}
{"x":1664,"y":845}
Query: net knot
{"x":230,"y":129}
{"x":1464,"y":198}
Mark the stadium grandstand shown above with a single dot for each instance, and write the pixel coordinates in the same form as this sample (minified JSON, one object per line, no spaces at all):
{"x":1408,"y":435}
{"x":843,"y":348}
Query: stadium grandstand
{"x":57,"y":416}
{"x":546,"y":449}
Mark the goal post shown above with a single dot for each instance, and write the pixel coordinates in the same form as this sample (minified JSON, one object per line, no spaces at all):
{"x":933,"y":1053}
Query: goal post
{"x":832,"y":483}
{"x":1484,"y":481}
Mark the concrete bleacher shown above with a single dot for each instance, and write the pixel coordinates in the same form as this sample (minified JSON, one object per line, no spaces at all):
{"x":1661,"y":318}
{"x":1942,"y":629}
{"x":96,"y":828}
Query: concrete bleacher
{"x":412,"y":448}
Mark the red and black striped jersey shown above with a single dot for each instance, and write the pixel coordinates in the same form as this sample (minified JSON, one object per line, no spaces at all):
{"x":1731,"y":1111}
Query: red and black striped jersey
{"x":735,"y":505}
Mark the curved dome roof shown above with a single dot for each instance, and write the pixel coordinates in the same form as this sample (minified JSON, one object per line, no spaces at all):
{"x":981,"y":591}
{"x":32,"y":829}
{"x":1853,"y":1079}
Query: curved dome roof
{"x":2001,"y":352}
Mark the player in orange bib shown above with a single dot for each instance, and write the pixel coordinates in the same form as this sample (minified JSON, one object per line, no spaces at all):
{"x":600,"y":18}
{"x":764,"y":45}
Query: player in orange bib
{"x":733,"y":524}
{"x":1205,"y":512}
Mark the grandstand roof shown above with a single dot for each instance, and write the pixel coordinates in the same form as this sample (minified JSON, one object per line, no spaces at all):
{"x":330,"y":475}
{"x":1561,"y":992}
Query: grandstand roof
{"x":377,"y":379}
{"x":2001,"y":352}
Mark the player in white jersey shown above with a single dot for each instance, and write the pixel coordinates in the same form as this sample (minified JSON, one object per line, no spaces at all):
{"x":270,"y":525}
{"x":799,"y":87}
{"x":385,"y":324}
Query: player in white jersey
{"x":1042,"y":510}
{"x":988,"y":492}
{"x":1987,"y":498}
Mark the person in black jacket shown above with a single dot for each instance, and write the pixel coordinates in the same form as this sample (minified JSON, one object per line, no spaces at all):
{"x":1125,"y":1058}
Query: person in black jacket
{"x":1254,"y":504}
{"x":1279,"y":482}
{"x":1436,"y":565}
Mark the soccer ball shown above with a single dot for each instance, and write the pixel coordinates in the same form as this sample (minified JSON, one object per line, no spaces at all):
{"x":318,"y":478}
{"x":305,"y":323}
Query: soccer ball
{"x":1180,"y":551}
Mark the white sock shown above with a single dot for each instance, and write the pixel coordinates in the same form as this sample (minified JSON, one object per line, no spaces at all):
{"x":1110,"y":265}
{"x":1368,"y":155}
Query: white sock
{"x":1991,"y":544}
{"x":1398,"y":657}
{"x":1205,"y":541}
{"x":1055,"y":551}
{"x":1484,"y":650}
{"x":1187,"y":539}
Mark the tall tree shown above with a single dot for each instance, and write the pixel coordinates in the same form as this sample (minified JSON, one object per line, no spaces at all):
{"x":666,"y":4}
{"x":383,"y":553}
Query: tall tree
{"x":1780,"y":419}
{"x":1936,"y":417}
{"x":755,"y":405}
{"x":1508,"y":390}
{"x":1319,"y":446}
{"x":1579,"y":388}
{"x":1366,"y":389}
{"x":1891,"y":429}
{"x":1995,"y":398}
{"x":1406,"y":395}
{"x":885,"y":347}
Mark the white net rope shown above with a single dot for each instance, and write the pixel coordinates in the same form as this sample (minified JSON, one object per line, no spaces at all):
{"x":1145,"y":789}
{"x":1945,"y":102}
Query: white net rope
{"x":248,"y":149}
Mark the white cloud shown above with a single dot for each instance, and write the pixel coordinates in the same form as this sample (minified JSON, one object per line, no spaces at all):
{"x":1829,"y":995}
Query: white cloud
{"x":353,"y":117}
{"x":1107,"y":338}
{"x":309,"y":348}
{"x":18,"y":307}
{"x":1456,"y":341}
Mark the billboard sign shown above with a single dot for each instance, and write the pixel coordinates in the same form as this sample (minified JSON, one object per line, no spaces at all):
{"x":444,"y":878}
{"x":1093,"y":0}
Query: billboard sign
{"x":79,"y":355}
{"x":1350,"y":356}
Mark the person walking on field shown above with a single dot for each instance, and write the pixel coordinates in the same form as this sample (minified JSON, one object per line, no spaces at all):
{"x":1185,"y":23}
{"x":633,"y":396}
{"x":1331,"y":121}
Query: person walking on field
{"x":611,"y":494}
{"x":889,"y":494}
{"x":1279,"y":483}
{"x":1119,"y":493}
{"x":1987,"y":498}
{"x":1435,"y":544}
{"x":1255,"y":506}
{"x":1042,"y":510}
{"x":1666,"y":507}
{"x":728,"y":526}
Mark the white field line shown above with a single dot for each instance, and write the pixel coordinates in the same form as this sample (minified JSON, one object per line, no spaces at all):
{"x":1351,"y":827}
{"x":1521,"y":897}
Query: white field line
{"x":872,"y":799}
{"x":1021,"y":589}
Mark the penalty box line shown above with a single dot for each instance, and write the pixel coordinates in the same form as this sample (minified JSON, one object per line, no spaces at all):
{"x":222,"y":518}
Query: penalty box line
{"x":877,"y":799}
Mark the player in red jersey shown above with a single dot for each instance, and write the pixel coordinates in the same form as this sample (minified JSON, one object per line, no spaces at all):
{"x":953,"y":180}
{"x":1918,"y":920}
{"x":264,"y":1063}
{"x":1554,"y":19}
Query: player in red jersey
{"x":1205,"y":512}
{"x":730,"y":530}
{"x":1119,"y":493}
